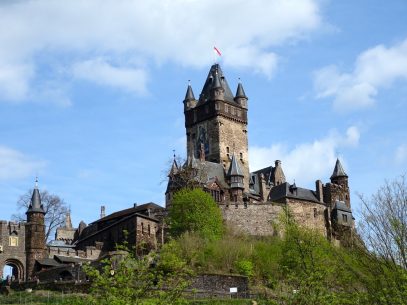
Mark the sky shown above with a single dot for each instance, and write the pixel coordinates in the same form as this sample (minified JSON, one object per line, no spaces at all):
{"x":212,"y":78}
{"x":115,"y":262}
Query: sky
{"x":91,"y":92}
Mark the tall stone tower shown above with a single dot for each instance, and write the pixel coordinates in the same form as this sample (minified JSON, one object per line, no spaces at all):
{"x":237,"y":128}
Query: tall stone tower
{"x":34,"y":232}
{"x":339,"y":185}
{"x":217,"y":123}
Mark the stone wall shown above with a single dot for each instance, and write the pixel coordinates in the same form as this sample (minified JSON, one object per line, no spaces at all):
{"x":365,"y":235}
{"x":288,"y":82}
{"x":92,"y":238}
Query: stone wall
{"x":12,"y":242}
{"x":261,"y":219}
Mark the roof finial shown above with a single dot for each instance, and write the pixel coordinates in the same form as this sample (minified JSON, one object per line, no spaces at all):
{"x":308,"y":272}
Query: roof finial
{"x":189,"y":82}
{"x":173,"y":151}
{"x":36,"y":182}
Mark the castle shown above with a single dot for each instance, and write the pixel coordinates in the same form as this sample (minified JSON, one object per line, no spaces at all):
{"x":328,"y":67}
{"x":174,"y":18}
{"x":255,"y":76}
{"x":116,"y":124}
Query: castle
{"x":251,"y":202}
{"x":218,"y":162}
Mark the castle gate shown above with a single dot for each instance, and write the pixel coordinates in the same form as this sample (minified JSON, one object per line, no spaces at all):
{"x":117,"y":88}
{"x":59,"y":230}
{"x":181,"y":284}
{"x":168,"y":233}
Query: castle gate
{"x":17,"y":268}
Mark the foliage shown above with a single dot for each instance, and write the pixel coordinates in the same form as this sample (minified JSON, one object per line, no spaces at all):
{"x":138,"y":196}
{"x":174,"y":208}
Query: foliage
{"x":54,"y":207}
{"x":124,"y":278}
{"x":193,"y":210}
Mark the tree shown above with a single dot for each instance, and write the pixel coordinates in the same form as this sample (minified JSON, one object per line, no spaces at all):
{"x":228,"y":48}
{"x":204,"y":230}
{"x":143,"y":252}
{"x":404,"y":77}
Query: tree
{"x":54,"y":207}
{"x":124,"y":278}
{"x":193,"y":210}
{"x":384,"y":230}
{"x":384,"y":222}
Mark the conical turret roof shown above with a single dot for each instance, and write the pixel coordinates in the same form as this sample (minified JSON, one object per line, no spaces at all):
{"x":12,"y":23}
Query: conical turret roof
{"x":240,"y":91}
{"x":234,"y":168}
{"x":338,"y":170}
{"x":209,"y":83}
{"x":174,"y":169}
{"x":189,"y":96}
{"x":35,"y":203}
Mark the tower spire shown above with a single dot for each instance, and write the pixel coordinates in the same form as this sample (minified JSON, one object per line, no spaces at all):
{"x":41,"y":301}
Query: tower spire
{"x":338,"y":170}
{"x":35,"y":203}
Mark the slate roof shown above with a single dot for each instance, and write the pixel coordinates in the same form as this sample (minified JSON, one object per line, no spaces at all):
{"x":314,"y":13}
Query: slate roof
{"x":205,"y":94}
{"x":240,"y":91}
{"x":49,"y":262}
{"x":340,"y":205}
{"x":35,"y":204}
{"x":133,"y":210}
{"x":69,"y":259}
{"x":338,"y":170}
{"x":285,"y":190}
{"x":189,"y":96}
{"x":234,"y":168}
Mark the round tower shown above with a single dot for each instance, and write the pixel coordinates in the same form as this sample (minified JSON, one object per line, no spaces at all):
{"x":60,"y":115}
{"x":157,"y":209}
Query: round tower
{"x":34,"y":232}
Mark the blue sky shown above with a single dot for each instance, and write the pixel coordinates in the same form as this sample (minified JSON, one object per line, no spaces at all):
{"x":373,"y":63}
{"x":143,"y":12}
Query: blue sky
{"x":91,"y":93}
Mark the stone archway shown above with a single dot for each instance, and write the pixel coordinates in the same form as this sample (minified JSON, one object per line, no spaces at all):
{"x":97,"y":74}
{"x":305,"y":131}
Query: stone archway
{"x":17,"y":268}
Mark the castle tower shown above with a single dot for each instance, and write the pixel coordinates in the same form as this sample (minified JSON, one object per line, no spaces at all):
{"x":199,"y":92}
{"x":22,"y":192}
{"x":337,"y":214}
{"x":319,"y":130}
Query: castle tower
{"x":34,"y":232}
{"x":340,"y":179}
{"x":218,"y":122}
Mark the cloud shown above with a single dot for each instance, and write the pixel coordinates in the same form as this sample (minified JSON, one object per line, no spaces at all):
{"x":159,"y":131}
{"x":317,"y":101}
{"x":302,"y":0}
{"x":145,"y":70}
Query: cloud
{"x":103,"y":73}
{"x":400,"y":155}
{"x":305,"y":162}
{"x":179,"y":31}
{"x":374,"y":69}
{"x":15,"y":165}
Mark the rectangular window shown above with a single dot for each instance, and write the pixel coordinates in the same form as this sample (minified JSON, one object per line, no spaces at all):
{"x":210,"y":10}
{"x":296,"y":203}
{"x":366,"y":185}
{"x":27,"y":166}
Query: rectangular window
{"x":226,"y":108}
{"x":315,"y":212}
{"x":216,"y":106}
{"x":345,"y":218}
{"x":13,"y":241}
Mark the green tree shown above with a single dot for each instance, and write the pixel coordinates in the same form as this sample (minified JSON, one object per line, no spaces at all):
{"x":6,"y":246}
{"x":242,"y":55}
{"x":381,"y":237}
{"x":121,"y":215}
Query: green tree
{"x":195,"y":211}
{"x":125,"y":279}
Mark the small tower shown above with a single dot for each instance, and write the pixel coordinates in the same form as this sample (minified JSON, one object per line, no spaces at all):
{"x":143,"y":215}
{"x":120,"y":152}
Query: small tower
{"x":235,"y":177}
{"x":189,"y":101}
{"x":34,"y":232}
{"x":340,"y":179}
{"x":241,"y":98}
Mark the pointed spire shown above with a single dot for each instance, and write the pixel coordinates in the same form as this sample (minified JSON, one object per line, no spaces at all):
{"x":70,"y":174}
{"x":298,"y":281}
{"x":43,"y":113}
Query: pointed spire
{"x":234,"y":168}
{"x":240,"y":91}
{"x":210,"y":81}
{"x":174,"y":168}
{"x":189,"y":96}
{"x":68,"y":221}
{"x":338,"y":170}
{"x":216,"y":83}
{"x":35,"y":203}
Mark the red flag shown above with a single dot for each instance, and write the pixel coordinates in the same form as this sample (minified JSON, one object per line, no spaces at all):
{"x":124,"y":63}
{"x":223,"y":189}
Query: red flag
{"x":217,"y":51}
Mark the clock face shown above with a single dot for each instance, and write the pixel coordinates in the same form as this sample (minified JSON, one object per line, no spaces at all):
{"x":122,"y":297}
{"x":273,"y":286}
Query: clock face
{"x":202,"y":139}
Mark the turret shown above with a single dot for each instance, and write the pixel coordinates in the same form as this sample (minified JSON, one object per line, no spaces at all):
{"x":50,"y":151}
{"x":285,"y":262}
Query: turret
{"x":189,"y":101}
{"x":235,"y":177}
{"x":217,"y":91}
{"x":339,"y":179}
{"x":241,"y":97}
{"x":35,"y":232}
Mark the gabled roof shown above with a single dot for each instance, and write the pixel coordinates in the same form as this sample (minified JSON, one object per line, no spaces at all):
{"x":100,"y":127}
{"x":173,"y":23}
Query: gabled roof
{"x":338,"y":170}
{"x":205,"y":93}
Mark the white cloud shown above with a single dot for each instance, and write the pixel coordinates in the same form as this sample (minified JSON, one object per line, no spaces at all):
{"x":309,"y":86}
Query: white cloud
{"x":375,"y":68}
{"x":180,"y":31}
{"x":401,"y":154}
{"x":14,"y":80}
{"x":103,"y":73}
{"x":305,"y":162}
{"x":15,"y":165}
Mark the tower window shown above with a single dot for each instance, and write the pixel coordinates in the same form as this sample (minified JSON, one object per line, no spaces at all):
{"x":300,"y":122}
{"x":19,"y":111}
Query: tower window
{"x":239,"y":113}
{"x":13,"y":241}
{"x":226,"y":108}
{"x":241,"y":156}
{"x":315,"y":212}
{"x":345,"y":218}
{"x":232,"y":110}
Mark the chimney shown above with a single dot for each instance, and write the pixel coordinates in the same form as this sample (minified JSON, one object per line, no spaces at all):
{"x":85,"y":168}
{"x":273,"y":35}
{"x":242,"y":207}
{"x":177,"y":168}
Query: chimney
{"x":135,"y":205}
{"x":102,"y":211}
{"x":319,"y":190}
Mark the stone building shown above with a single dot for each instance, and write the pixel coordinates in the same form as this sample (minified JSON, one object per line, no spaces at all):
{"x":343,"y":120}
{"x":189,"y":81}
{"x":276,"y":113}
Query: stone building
{"x":22,"y":244}
{"x":24,"y":249}
{"x":251,"y":202}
